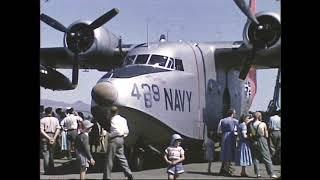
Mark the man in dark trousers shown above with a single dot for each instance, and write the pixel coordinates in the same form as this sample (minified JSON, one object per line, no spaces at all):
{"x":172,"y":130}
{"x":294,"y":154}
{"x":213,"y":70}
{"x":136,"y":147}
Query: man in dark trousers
{"x":118,"y":130}
{"x":70,"y":125}
{"x":50,"y":129}
{"x":275,"y":137}
{"x":260,"y":149}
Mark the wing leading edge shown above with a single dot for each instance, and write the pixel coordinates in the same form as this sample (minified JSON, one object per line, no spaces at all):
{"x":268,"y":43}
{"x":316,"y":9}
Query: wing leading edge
{"x":60,"y":58}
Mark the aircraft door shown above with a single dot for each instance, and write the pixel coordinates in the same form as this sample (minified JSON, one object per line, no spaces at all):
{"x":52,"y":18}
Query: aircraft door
{"x":198,"y":127}
{"x":226,"y":102}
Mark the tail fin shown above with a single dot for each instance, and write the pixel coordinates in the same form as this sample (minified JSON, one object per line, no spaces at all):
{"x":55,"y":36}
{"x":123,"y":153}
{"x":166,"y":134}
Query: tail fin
{"x":253,"y":6}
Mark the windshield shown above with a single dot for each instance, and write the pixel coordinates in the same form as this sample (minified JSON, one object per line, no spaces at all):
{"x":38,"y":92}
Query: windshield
{"x":129,"y":60}
{"x":157,"y":59}
{"x":142,"y":59}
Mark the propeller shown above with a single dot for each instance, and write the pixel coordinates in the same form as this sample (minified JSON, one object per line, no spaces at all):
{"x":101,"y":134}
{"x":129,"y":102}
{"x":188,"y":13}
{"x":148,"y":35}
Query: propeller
{"x":246,"y":10}
{"x":250,"y":15}
{"x":79,"y":37}
{"x":247,"y":64}
{"x":104,"y":18}
{"x":120,"y":46}
{"x":53,"y":23}
{"x":75,"y":70}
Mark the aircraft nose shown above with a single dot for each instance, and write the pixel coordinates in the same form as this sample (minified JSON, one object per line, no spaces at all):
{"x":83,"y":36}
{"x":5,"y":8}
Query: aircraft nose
{"x":104,"y":93}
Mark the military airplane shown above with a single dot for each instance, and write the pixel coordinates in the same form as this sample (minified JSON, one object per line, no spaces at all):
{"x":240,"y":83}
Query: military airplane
{"x":165,"y":87}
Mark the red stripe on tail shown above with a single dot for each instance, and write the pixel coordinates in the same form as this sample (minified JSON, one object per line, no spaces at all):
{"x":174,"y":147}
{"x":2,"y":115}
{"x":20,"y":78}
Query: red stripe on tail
{"x":253,"y":6}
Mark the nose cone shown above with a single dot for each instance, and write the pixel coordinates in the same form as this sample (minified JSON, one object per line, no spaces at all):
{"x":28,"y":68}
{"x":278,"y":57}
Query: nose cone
{"x":104,"y":93}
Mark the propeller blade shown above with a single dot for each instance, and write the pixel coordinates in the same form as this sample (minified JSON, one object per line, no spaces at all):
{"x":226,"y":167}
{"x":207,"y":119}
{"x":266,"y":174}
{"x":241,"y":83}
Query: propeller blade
{"x":53,"y":23}
{"x":244,"y":71}
{"x":75,"y":70}
{"x":120,"y":46}
{"x":246,"y":10}
{"x":248,"y":63}
{"x":104,"y":18}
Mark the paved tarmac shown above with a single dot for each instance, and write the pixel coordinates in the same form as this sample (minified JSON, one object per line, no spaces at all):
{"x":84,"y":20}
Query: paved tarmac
{"x":67,"y":169}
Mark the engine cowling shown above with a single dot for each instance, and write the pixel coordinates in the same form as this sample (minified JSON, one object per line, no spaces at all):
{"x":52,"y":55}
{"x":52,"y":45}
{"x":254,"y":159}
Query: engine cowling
{"x":52,"y":79}
{"x":267,"y":34}
{"x":88,"y":42}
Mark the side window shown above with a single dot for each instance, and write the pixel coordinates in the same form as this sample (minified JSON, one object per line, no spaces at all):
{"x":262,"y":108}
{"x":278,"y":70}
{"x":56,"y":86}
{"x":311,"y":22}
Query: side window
{"x":142,"y":59}
{"x":170,"y":63}
{"x":129,"y":60}
{"x":179,"y":65}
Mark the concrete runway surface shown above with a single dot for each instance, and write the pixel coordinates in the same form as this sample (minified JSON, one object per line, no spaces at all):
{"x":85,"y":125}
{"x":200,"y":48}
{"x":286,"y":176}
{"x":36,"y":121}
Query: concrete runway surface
{"x":67,"y":169}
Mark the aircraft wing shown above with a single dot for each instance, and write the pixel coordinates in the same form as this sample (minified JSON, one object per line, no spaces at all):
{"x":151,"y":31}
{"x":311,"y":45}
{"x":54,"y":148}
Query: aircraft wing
{"x":236,"y":56}
{"x":61,"y":58}
{"x":261,"y":45}
{"x":56,"y":57}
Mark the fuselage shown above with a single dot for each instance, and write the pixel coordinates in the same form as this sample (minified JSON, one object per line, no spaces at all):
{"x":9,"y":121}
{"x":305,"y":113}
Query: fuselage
{"x":172,"y":87}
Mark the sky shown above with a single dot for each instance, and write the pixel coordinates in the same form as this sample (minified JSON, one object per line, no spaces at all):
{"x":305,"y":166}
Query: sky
{"x":190,"y":20}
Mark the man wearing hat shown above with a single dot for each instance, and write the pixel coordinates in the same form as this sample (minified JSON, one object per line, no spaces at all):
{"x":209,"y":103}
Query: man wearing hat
{"x":118,"y":130}
{"x":84,"y":156}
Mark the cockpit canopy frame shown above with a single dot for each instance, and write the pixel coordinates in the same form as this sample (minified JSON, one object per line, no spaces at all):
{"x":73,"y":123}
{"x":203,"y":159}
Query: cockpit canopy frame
{"x":155,"y":60}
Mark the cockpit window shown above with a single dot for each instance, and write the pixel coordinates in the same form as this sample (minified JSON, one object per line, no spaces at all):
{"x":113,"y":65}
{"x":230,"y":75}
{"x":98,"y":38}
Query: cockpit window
{"x":179,"y":65}
{"x":157,"y":59}
{"x":142,"y":59}
{"x":170,"y":63}
{"x":129,"y":60}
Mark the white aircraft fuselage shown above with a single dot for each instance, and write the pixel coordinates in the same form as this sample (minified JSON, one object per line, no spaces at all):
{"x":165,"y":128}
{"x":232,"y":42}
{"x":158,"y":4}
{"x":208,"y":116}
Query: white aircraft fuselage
{"x":157,"y":100}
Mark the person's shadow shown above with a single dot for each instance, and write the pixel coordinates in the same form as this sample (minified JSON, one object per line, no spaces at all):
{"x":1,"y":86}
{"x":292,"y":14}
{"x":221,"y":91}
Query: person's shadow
{"x":72,"y":166}
{"x":217,"y":174}
{"x":203,"y":173}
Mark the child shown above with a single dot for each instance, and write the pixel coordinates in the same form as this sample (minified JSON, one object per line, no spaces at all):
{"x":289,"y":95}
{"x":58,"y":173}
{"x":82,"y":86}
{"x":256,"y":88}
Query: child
{"x":208,"y":146}
{"x":174,"y":155}
{"x":84,"y":156}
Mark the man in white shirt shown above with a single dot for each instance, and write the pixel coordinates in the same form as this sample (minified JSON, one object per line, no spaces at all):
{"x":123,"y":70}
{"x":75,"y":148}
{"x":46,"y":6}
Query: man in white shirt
{"x":118,"y":130}
{"x":275,"y":137}
{"x":49,"y":129}
{"x":70,"y":125}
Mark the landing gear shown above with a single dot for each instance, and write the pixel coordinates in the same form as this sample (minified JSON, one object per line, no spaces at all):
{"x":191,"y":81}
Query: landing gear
{"x":139,"y":159}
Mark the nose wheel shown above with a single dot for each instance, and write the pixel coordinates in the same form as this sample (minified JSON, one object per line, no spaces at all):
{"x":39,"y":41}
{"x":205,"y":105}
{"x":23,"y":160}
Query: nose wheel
{"x":137,"y":156}
{"x":139,"y":159}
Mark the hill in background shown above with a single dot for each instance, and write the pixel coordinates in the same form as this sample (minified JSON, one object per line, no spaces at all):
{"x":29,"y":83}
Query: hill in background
{"x":78,"y":105}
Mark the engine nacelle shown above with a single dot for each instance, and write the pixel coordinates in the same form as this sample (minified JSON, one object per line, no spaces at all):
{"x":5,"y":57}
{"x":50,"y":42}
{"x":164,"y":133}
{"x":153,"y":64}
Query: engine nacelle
{"x":87,"y":42}
{"x":267,"y":34}
{"x":54,"y":80}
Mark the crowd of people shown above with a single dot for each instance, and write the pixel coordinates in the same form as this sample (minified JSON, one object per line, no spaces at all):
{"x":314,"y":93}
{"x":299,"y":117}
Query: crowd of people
{"x":243,"y":142}
{"x":246,"y":142}
{"x":60,"y":132}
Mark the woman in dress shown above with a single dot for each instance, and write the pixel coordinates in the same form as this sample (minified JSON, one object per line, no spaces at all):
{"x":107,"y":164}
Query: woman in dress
{"x":244,"y":157}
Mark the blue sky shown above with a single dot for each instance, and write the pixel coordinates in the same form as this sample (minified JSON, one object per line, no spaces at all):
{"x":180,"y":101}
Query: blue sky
{"x":192,"y":20}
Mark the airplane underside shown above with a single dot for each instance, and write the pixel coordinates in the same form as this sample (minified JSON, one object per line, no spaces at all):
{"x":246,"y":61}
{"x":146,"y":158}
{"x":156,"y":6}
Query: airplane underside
{"x":153,"y":136}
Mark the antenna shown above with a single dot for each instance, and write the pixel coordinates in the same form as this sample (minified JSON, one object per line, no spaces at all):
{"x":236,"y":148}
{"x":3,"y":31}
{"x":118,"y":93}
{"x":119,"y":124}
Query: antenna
{"x":147,"y":34}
